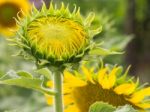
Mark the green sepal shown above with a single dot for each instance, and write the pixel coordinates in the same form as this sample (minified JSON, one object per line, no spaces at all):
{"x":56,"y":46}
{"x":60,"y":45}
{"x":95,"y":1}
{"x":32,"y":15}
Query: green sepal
{"x":24,"y":54}
{"x":89,"y":19}
{"x":124,"y":77}
{"x":94,"y":32}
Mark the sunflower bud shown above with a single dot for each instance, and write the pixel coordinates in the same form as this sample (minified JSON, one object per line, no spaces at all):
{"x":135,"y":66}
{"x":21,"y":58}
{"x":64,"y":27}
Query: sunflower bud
{"x":56,"y":34}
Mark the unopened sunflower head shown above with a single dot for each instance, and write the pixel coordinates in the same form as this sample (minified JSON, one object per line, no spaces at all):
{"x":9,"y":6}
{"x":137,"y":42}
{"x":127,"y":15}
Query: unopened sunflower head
{"x":56,"y":34}
{"x":10,"y":9}
{"x":82,"y":89}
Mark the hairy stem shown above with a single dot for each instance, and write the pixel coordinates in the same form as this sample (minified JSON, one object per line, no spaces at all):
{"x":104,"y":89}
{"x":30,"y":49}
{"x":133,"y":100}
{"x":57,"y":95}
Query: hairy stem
{"x":58,"y":102}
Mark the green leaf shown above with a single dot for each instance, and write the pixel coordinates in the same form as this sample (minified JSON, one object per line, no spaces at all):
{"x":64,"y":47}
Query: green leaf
{"x":24,"y":74}
{"x":45,"y":72}
{"x":22,"y":79}
{"x":103,"y":52}
{"x":126,"y":108}
{"x":9,"y":75}
{"x":117,"y":43}
{"x":101,"y":107}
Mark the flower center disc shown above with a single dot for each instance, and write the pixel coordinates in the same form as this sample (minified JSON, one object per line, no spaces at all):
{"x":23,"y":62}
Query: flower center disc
{"x":87,"y":95}
{"x":57,"y":37}
{"x":7,"y":12}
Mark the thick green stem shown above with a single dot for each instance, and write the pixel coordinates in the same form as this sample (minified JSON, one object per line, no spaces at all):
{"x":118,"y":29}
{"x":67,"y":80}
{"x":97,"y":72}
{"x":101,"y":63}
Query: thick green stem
{"x":58,"y":102}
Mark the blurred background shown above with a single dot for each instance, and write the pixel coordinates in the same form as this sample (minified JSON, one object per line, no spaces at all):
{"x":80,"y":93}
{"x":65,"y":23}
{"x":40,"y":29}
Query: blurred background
{"x":126,"y":27}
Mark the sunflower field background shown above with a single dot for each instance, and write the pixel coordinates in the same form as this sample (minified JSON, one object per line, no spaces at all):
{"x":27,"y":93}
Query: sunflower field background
{"x":125,"y":28}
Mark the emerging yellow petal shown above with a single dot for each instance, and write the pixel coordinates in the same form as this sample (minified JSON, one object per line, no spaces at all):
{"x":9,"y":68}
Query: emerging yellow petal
{"x":68,"y":100}
{"x":50,"y":84}
{"x":72,"y":108}
{"x":101,"y":74}
{"x":88,"y":74}
{"x":112,"y":77}
{"x":67,"y":89}
{"x":72,"y":80}
{"x":140,"y":95}
{"x":144,"y":105}
{"x":107,"y":81}
{"x":49,"y":99}
{"x":125,"y":89}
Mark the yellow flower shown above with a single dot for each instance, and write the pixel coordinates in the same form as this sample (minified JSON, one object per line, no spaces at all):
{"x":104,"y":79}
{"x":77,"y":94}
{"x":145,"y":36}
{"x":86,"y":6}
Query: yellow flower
{"x":56,"y":35}
{"x":10,"y":9}
{"x":81,"y":90}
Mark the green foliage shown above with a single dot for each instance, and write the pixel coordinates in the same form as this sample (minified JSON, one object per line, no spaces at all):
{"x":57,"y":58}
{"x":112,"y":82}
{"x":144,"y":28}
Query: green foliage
{"x":105,"y":107}
{"x":45,"y":72}
{"x":103,"y":52}
{"x":28,"y":101}
{"x":111,"y":37}
{"x":26,"y":80}
{"x":8,"y":61}
{"x":101,"y":107}
{"x":24,"y":74}
{"x":126,"y":108}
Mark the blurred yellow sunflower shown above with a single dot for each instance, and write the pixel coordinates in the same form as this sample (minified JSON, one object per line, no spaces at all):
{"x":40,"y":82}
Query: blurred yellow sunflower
{"x":81,"y":90}
{"x":10,"y":9}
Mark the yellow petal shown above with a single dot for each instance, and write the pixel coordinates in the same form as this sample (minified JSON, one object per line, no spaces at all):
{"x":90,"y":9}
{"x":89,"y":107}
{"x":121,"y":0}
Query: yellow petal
{"x":72,"y":108}
{"x":144,"y":105}
{"x":66,"y":89}
{"x":73,"y":81}
{"x":112,"y":77}
{"x":50,"y":84}
{"x":101,"y":74}
{"x":68,"y":99}
{"x":49,"y":99}
{"x":140,"y":95}
{"x":125,"y":89}
{"x":88,"y":74}
{"x":105,"y":83}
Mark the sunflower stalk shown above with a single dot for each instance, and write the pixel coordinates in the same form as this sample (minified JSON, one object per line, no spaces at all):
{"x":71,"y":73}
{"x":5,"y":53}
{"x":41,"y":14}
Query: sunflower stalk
{"x":58,"y":102}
